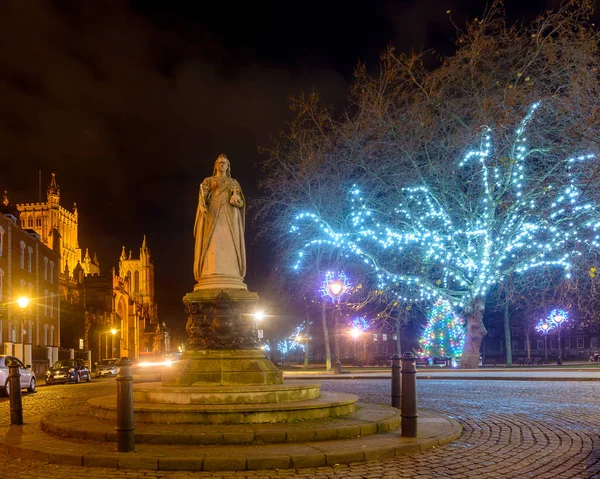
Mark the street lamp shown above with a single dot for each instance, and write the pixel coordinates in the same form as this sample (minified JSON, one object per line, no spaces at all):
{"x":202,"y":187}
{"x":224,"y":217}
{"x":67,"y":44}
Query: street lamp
{"x":23,"y":302}
{"x":335,"y":288}
{"x":558,"y":317}
{"x":544,"y":326}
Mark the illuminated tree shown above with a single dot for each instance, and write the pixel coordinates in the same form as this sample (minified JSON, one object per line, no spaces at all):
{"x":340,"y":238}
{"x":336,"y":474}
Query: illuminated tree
{"x":444,"y":334}
{"x":443,"y":183}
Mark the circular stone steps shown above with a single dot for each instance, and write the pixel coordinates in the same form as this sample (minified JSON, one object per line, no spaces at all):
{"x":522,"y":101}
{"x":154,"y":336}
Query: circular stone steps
{"x":368,"y":419}
{"x":329,"y":404}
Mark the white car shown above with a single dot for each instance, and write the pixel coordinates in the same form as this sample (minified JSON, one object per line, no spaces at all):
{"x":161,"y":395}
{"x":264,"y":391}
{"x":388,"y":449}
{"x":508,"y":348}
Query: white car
{"x":27,"y":376}
{"x":107,"y":367}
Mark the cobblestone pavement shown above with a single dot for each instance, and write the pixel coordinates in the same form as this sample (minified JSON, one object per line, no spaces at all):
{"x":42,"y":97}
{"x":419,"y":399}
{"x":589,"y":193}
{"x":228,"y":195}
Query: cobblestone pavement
{"x":512,"y":429}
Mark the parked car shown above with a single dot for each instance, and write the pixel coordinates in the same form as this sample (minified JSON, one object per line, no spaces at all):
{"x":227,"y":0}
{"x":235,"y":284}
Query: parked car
{"x":68,"y":370}
{"x":107,"y":367}
{"x":27,"y":376}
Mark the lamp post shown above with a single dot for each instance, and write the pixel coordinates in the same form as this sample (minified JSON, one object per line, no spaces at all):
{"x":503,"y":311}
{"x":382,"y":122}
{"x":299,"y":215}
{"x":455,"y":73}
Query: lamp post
{"x":336,"y":288}
{"x":558,"y":317}
{"x":112,"y":343}
{"x":355,"y":333}
{"x":544,"y":326}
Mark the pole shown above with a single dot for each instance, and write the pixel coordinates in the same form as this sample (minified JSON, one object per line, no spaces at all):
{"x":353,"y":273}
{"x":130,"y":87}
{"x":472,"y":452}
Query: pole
{"x":559,"y":359}
{"x":409,"y":398}
{"x":546,"y":347}
{"x":337,"y":366}
{"x":16,"y":401}
{"x":396,"y":385}
{"x":125,"y":425}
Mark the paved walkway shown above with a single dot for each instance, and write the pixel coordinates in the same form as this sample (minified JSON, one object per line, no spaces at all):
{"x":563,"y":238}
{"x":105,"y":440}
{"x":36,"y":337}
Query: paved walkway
{"x":512,"y":429}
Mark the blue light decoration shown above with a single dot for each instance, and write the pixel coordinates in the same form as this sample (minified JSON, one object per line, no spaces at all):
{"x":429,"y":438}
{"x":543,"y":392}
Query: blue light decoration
{"x":558,"y":317}
{"x":460,"y":245}
{"x":360,"y":324}
{"x":545,"y":326}
{"x":444,"y":334}
{"x":330,"y":277}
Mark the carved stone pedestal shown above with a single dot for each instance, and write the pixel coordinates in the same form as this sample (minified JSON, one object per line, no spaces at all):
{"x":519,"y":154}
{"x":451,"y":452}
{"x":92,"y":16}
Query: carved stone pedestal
{"x":222,"y":348}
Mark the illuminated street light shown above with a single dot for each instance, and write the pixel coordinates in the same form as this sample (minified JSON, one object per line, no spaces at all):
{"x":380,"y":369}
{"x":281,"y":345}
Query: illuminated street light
{"x":336,"y":286}
{"x":23,"y":302}
{"x":558,"y":317}
{"x":259,"y":316}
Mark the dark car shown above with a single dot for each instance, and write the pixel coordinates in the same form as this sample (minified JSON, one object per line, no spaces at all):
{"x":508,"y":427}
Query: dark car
{"x":68,"y":370}
{"x":27,"y":376}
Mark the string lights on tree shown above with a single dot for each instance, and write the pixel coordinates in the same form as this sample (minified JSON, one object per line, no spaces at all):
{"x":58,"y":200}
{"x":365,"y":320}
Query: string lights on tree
{"x":516,"y":212}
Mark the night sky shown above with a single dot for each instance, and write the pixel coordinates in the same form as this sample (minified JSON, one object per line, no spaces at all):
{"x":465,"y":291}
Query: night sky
{"x":131,"y":102}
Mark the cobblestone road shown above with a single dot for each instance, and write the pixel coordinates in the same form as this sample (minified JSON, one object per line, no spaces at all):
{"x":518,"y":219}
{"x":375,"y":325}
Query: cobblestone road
{"x":512,"y":429}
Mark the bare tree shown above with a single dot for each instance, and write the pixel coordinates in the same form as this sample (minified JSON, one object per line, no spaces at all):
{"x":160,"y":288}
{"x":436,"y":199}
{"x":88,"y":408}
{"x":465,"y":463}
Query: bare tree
{"x":444,"y":182}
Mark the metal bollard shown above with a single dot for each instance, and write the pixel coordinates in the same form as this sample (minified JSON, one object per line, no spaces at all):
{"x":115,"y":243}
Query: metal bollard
{"x":125,"y":426}
{"x":16,"y":401}
{"x":409,"y":397}
{"x":396,"y":385}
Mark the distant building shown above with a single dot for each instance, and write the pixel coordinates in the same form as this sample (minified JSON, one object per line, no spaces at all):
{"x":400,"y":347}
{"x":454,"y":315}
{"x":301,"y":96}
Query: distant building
{"x":95,"y":304}
{"x":28,"y":269}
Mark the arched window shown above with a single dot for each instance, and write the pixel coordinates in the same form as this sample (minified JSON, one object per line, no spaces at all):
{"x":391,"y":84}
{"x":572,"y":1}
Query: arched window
{"x":29,"y":256}
{"x":52,"y":271}
{"x":51,"y":335}
{"x":22,"y":258}
{"x":45,"y":268}
{"x":51,"y":305}
{"x":45,"y":304}
{"x":45,"y":335}
{"x":136,"y":282}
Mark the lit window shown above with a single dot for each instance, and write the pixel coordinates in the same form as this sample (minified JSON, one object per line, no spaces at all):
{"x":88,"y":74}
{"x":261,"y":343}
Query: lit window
{"x":52,"y":271}
{"x":385,"y":337}
{"x":374,"y":338}
{"x":29,"y":256}
{"x":395,"y":337}
{"x":22,"y":259}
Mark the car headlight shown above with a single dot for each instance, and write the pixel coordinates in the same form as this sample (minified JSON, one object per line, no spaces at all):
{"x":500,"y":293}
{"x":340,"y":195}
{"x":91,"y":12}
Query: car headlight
{"x":48,"y":373}
{"x":71,"y":370}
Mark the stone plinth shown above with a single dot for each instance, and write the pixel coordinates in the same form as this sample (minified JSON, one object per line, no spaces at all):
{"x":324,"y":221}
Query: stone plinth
{"x":221,"y":319}
{"x":224,"y":368}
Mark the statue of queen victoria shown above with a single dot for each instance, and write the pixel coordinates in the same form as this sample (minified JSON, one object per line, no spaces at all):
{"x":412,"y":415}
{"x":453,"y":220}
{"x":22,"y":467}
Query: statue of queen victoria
{"x":220,"y":251}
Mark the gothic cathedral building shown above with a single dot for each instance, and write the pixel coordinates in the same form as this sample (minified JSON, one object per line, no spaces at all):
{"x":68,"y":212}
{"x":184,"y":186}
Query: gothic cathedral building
{"x":112,"y":315}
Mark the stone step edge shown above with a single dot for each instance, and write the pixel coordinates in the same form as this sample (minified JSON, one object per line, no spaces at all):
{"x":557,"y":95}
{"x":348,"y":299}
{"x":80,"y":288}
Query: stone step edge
{"x":273,"y":436}
{"x":137,"y":460}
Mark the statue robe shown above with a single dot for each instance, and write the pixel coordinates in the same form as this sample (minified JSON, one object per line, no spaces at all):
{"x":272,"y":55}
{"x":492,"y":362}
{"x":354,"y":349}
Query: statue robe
{"x":219,"y":247}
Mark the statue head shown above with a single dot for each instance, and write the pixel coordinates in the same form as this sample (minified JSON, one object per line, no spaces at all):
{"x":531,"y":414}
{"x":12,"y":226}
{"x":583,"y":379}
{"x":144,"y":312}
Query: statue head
{"x":222,"y":158}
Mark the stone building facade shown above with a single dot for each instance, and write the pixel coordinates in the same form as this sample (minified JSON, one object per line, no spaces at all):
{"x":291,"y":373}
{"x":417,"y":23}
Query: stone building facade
{"x":28,"y":269}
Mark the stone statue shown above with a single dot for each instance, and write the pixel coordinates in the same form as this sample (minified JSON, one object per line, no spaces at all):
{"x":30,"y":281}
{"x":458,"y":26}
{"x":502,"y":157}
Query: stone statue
{"x":220,"y":251}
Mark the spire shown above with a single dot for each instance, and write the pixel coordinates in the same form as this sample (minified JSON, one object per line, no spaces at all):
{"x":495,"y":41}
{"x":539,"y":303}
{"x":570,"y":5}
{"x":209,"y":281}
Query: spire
{"x":144,"y":243}
{"x":130,"y":254}
{"x":123,"y":255}
{"x":53,"y":189}
{"x":87,"y":258}
{"x":95,"y":261}
{"x":66,"y":268}
{"x":5,"y":200}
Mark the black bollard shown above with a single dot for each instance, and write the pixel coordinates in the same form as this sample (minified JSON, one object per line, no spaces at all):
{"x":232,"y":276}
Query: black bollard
{"x":409,"y":397}
{"x":16,"y":401}
{"x":396,"y":385}
{"x":125,"y":426}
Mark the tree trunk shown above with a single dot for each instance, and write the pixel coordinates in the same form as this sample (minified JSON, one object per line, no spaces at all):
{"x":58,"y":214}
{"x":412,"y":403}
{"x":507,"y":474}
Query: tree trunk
{"x":307,"y":343}
{"x":507,"y":340}
{"x":326,"y":335}
{"x":528,"y":342}
{"x":398,"y":343}
{"x":475,"y":333}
